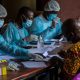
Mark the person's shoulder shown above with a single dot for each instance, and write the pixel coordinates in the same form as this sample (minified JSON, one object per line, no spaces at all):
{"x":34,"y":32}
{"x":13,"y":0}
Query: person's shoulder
{"x":37,"y":21}
{"x":11,"y":23}
{"x":38,"y":18}
{"x":75,"y":48}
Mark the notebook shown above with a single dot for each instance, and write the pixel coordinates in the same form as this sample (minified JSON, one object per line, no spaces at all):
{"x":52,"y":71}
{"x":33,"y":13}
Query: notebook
{"x":6,"y":57}
{"x":34,"y":64}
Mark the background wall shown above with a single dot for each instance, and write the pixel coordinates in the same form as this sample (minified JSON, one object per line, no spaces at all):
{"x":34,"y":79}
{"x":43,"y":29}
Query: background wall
{"x":13,"y":6}
{"x":69,"y":9}
{"x":40,"y":4}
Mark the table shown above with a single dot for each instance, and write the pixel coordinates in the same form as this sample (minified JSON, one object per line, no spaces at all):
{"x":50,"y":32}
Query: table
{"x":24,"y":73}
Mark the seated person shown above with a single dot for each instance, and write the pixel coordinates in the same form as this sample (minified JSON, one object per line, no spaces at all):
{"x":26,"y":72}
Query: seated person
{"x":28,"y":16}
{"x":12,"y":49}
{"x":71,"y":66}
{"x":16,"y":32}
{"x":47,"y":24}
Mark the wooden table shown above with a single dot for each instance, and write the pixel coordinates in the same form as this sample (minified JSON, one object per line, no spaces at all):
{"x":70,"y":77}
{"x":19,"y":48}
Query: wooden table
{"x":24,"y":73}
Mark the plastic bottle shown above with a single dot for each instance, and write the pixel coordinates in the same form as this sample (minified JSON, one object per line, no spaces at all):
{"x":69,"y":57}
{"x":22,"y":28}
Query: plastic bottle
{"x":40,"y":43}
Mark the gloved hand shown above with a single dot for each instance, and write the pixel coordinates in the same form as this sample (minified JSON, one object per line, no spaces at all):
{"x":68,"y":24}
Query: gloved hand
{"x":36,"y":57}
{"x":13,"y":66}
{"x":54,"y":22}
{"x":33,"y":38}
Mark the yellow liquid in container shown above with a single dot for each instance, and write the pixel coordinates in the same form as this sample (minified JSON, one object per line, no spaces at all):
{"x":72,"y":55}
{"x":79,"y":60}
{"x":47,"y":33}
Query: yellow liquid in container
{"x":4,"y":70}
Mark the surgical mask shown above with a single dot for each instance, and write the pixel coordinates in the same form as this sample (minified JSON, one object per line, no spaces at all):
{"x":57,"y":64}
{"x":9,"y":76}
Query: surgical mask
{"x":51,"y":17}
{"x":1,"y":22}
{"x":27,"y":24}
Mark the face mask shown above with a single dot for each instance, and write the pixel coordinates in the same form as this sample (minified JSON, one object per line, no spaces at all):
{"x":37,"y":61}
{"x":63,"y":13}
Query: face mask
{"x":27,"y":24}
{"x":1,"y":22}
{"x":51,"y":17}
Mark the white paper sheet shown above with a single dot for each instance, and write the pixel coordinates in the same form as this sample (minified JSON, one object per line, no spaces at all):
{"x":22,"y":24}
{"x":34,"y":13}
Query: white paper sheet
{"x":6,"y":57}
{"x":33,"y":64}
{"x":34,"y":50}
{"x":51,"y":56}
{"x":45,"y":54}
{"x":44,"y":49}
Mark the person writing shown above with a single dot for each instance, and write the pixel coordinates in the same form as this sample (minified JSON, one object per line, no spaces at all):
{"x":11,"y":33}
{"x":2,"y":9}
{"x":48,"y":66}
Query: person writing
{"x":13,"y":49}
{"x":47,"y":24}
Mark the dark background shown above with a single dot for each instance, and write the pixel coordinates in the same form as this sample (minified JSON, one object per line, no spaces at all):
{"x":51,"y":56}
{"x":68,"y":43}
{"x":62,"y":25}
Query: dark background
{"x":40,"y":4}
{"x":0,"y":1}
{"x":69,"y":9}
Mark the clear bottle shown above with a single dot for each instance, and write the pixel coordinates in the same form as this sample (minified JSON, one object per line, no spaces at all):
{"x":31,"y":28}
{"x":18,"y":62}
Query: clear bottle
{"x":40,"y":43}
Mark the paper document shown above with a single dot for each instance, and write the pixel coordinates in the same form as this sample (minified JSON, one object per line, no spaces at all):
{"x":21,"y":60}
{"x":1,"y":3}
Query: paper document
{"x":51,"y":56}
{"x":6,"y":57}
{"x":33,"y":64}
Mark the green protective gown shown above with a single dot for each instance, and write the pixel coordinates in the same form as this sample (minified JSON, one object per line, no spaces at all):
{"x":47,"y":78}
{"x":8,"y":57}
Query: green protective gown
{"x":42,"y":27}
{"x":13,"y":50}
{"x":14,"y":35}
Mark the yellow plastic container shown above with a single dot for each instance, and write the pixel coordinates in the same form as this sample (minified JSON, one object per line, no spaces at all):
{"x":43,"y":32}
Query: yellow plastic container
{"x":3,"y":67}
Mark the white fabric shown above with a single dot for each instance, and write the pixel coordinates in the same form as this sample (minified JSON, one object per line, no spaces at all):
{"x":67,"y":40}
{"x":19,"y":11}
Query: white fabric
{"x":3,"y":12}
{"x":33,"y":64}
{"x":52,"y":5}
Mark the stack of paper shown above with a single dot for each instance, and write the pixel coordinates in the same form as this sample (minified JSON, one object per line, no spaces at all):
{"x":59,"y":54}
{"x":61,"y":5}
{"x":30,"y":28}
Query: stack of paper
{"x":6,"y":57}
{"x":34,"y":64}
